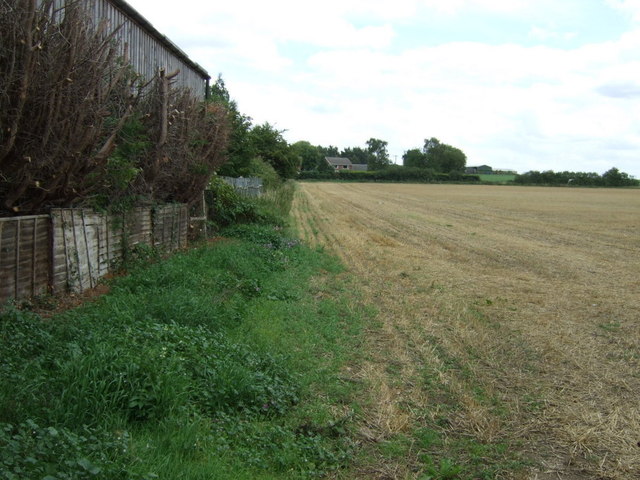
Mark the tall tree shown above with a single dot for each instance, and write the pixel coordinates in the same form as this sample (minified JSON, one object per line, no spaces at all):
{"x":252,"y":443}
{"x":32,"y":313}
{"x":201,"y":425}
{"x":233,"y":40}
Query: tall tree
{"x":380,"y":156}
{"x":270,"y":145}
{"x":430,"y":143}
{"x":442,"y":157}
{"x":357,"y":155}
{"x":310,"y":156}
{"x":615,"y":178}
{"x":414,"y":158}
{"x":240,"y":151}
{"x":329,"y":151}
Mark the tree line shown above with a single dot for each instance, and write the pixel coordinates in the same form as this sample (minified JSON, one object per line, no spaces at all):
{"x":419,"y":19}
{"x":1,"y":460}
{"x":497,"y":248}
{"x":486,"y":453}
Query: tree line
{"x":611,"y":178}
{"x":253,"y":146}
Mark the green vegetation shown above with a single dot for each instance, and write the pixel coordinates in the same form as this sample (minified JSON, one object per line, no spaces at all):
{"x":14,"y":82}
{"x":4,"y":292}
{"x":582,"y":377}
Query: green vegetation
{"x":220,"y":362}
{"x":496,"y":178}
{"x":436,"y":156}
{"x":611,"y":178}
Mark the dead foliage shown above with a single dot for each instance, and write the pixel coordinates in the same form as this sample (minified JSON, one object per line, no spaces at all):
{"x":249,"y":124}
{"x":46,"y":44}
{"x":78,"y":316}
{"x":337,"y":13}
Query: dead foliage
{"x":189,"y":139}
{"x":66,"y":95}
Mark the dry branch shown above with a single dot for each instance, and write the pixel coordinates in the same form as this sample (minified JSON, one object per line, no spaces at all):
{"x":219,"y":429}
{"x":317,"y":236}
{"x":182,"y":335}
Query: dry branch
{"x":191,"y":138}
{"x":63,"y":96}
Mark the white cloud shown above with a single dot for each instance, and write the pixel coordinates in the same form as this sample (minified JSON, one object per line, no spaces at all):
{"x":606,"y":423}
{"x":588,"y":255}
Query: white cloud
{"x":631,"y":7}
{"x":543,"y":34}
{"x":508,"y":105}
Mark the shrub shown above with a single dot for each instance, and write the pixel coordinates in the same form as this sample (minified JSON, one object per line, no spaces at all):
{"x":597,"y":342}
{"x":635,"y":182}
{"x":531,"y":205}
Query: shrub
{"x":188,"y":144}
{"x":61,"y":108}
{"x":226,"y":206}
{"x":72,"y":131}
{"x":260,"y":168}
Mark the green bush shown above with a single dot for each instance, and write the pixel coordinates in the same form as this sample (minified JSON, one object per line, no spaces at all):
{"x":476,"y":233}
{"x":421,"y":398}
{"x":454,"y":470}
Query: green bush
{"x":266,"y":235}
{"x":261,"y":169}
{"x":226,"y":206}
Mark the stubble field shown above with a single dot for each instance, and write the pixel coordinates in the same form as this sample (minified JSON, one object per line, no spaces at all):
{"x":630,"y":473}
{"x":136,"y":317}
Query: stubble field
{"x":507,"y":340}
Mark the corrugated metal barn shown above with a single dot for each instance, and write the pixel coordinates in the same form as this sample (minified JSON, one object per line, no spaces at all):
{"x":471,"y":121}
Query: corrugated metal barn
{"x":148,"y":50}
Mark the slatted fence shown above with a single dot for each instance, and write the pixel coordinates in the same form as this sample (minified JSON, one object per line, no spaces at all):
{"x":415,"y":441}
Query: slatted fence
{"x":72,"y":249}
{"x":249,"y":186}
{"x":25,"y":246}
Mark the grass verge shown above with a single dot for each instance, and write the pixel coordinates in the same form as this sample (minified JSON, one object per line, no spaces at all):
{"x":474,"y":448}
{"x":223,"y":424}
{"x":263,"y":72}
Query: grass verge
{"x":220,"y":362}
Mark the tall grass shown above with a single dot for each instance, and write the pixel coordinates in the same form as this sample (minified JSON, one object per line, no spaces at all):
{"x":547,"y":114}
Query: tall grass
{"x":220,"y":362}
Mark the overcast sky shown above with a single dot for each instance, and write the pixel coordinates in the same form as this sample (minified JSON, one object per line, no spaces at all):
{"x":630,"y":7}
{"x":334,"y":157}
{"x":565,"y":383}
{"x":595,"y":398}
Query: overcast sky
{"x":516,"y":84}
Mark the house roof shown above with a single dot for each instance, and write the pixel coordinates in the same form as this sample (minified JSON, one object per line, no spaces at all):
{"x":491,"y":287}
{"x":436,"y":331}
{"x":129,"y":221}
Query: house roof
{"x":337,"y":161}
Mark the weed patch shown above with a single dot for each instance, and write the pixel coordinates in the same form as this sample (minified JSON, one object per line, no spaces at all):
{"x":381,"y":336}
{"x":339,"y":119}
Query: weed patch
{"x":220,"y":362}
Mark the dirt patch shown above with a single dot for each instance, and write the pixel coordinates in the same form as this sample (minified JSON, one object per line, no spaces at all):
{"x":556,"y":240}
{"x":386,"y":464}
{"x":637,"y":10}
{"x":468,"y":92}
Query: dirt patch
{"x":516,"y":305}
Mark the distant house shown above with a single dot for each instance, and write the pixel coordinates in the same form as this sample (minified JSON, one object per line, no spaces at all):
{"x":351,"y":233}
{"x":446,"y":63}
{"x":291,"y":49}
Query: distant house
{"x":480,"y":170}
{"x":339,"y":163}
{"x":359,"y":167}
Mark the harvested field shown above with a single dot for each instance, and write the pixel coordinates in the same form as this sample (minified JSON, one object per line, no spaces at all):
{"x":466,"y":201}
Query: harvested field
{"x":507,"y":325}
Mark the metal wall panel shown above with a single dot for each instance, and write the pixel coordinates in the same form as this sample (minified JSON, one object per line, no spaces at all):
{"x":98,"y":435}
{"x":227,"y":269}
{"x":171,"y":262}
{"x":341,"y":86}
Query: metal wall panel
{"x":148,"y":50}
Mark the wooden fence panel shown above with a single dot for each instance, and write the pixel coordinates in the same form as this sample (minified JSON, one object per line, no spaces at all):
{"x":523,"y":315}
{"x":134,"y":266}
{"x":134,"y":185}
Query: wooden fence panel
{"x":71,"y":249}
{"x":138,"y":225}
{"x":79,"y":259}
{"x":24,"y":256}
{"x":110,"y":247}
{"x":170,"y":227}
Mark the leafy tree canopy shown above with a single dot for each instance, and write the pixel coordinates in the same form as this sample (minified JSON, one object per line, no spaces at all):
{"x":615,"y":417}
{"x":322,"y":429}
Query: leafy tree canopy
{"x":270,"y":145}
{"x":442,"y":157}
{"x":329,"y":151}
{"x":414,"y":158}
{"x":616,"y":178}
{"x":240,"y":151}
{"x":311,"y":157}
{"x":357,"y":155}
{"x":379,"y":155}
